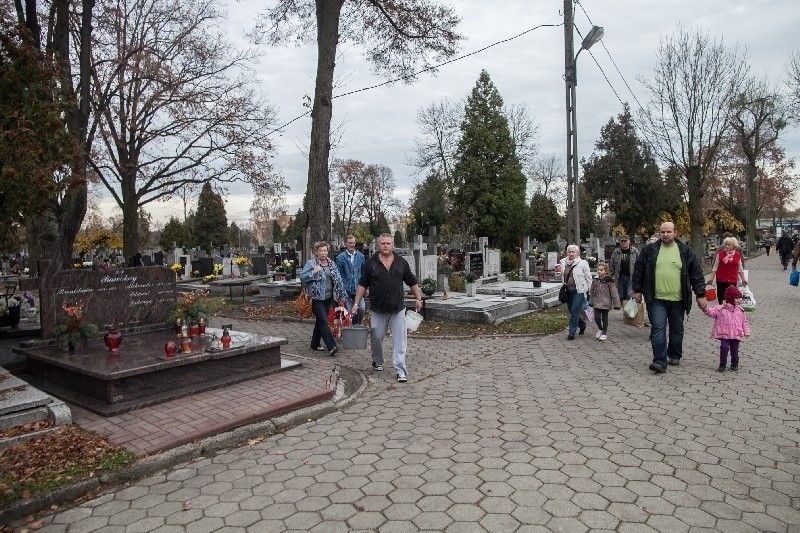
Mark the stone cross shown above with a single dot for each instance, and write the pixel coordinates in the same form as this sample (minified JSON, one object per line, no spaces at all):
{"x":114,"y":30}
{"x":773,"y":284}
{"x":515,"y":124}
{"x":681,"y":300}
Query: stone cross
{"x":420,"y":247}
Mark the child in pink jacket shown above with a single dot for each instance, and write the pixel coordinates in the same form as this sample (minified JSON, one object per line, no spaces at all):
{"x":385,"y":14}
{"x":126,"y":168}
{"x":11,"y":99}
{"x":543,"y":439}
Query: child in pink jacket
{"x":730,"y":325}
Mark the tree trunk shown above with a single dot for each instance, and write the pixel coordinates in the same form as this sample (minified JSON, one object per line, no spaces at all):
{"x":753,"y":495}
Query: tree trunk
{"x":752,"y":205}
{"x":317,"y":226}
{"x":130,"y":215}
{"x":696,"y":218}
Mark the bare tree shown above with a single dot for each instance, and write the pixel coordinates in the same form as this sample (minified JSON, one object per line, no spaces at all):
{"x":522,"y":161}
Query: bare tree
{"x":173,"y":106}
{"x":379,"y":201}
{"x":546,"y":176}
{"x":694,"y":83}
{"x":398,"y":37}
{"x":524,"y":132}
{"x":349,"y":190}
{"x":434,"y":149}
{"x":793,"y":83}
{"x":759,"y":115}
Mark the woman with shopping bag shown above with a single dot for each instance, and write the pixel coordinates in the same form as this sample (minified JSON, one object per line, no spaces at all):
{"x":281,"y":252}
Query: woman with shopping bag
{"x":727,"y":268}
{"x":324,"y":285}
{"x":577,"y":276}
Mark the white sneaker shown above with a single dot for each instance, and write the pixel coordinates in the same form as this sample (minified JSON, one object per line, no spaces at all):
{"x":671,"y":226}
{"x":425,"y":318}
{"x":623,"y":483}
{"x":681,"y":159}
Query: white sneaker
{"x":603,"y":337}
{"x":598,"y":334}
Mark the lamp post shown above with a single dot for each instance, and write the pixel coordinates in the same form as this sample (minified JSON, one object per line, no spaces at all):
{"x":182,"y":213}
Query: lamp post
{"x":571,"y":79}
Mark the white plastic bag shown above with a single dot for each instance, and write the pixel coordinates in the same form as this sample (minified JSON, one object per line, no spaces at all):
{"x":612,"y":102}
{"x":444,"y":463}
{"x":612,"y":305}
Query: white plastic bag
{"x":748,"y":300}
{"x":631,"y":309}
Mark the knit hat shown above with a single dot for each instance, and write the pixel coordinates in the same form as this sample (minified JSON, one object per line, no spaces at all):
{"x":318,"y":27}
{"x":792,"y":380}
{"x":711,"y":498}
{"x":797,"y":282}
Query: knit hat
{"x":731,"y":293}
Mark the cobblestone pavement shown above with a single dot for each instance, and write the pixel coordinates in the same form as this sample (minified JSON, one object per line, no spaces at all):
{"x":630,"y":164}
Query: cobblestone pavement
{"x":514,"y":434}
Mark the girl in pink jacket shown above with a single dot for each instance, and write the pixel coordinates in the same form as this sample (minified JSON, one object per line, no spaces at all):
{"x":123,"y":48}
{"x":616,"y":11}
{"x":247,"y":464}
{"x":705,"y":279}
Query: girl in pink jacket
{"x":730,"y":325}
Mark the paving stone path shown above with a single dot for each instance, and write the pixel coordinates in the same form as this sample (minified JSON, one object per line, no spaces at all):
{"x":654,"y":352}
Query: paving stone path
{"x":514,"y":434}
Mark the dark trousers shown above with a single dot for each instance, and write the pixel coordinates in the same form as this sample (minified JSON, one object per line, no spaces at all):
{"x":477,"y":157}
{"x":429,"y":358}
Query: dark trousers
{"x":321,"y":329}
{"x":601,"y":319}
{"x":785,"y":259}
{"x":724,"y":346}
{"x":721,"y":286}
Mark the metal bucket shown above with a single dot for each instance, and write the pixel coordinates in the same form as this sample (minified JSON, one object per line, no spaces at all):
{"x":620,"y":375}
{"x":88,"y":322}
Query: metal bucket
{"x":354,"y":337}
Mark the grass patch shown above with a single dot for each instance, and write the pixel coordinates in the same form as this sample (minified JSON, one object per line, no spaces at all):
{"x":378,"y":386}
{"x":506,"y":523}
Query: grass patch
{"x":59,"y":458}
{"x":543,"y":322}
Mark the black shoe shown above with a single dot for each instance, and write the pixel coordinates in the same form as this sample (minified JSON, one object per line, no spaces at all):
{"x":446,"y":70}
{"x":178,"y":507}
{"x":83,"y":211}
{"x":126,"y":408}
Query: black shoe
{"x":721,"y":368}
{"x":333,"y":351}
{"x":377,"y":366}
{"x":657,"y":368}
{"x":674,"y":361}
{"x":734,"y":368}
{"x":570,"y":337}
{"x":582,"y":330}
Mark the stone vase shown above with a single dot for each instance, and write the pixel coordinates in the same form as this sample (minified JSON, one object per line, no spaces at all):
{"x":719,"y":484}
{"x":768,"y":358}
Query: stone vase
{"x":443,"y":283}
{"x":470,"y":288}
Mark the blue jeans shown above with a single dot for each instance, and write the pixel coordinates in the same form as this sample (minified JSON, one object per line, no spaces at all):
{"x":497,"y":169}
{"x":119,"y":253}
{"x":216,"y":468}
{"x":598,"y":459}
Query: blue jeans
{"x":663,"y":313}
{"x":575,"y":306}
{"x":624,"y":286}
{"x":321,"y":329}
{"x":396,"y":321}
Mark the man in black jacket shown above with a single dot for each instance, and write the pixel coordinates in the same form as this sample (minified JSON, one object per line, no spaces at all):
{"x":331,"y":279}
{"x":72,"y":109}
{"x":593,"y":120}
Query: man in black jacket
{"x":384,"y":274}
{"x":666,"y":273}
{"x":784,"y":247}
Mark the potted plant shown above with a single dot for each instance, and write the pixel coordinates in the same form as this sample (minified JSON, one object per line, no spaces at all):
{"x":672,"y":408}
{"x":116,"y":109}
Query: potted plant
{"x":428,"y":286}
{"x":470,"y":283}
{"x":73,"y":329}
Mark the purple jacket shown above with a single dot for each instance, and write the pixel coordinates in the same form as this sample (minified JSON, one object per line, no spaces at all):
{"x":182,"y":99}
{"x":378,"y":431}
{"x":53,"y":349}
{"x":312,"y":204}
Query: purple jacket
{"x":730,"y":321}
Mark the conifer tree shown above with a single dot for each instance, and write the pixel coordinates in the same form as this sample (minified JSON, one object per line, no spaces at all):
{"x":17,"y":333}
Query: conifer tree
{"x":489,"y":185}
{"x":211,"y":220}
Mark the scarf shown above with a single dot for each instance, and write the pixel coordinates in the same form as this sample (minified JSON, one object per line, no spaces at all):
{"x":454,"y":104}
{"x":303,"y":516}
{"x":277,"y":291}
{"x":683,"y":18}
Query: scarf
{"x":728,"y":257}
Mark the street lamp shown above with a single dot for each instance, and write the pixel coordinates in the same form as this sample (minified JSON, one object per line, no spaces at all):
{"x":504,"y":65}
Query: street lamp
{"x":571,"y":79}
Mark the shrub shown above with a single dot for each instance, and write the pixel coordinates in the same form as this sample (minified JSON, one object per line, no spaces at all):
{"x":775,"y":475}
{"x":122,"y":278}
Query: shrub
{"x":508,"y":262}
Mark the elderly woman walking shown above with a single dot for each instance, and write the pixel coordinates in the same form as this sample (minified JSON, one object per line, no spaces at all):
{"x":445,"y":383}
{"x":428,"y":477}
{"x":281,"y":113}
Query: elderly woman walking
{"x":727,"y":268}
{"x":575,"y":273}
{"x":324,"y":285}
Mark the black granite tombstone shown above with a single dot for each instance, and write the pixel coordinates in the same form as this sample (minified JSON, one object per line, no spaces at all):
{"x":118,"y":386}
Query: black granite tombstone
{"x":147,"y":261}
{"x":196,"y":267}
{"x":206,"y":266}
{"x":158,"y":258}
{"x":260,"y":265}
{"x":262,"y":250}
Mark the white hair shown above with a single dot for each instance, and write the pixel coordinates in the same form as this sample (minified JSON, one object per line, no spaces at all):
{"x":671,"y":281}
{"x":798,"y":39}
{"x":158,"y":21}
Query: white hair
{"x":573,"y":248}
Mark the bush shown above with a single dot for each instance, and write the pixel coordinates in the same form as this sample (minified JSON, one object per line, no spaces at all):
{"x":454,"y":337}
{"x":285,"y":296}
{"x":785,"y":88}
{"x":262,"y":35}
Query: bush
{"x":457,"y":282}
{"x":508,"y":262}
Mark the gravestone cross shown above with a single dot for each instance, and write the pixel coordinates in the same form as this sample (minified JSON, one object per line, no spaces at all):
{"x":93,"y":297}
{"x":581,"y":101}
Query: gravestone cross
{"x":420,"y":247}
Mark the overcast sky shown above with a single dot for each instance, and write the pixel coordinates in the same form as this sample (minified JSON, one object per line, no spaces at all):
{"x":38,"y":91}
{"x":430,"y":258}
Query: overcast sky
{"x":380,"y":124}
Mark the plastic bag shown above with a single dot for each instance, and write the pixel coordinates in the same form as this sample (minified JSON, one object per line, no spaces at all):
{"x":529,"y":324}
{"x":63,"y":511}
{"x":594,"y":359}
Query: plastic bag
{"x":794,"y":278}
{"x":338,"y":317}
{"x":638,"y":319}
{"x":631,"y":309}
{"x":588,"y":312}
{"x":748,"y":300}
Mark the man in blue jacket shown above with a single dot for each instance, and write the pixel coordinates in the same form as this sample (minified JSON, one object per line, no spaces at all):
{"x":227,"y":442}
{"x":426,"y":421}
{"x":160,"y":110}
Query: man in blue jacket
{"x":384,"y":274}
{"x":666,"y":273}
{"x":350,"y":262}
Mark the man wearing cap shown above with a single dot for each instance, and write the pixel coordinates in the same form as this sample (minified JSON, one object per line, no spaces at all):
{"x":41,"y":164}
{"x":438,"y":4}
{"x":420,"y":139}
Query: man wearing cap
{"x":622,"y":260}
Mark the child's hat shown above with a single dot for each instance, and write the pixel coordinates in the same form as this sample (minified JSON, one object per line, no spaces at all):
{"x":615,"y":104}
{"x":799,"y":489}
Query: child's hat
{"x":731,"y":293}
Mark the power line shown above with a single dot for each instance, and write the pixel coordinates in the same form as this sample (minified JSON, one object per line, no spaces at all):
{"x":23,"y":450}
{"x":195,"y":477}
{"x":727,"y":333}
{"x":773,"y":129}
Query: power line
{"x":612,"y":61}
{"x":433,"y":67}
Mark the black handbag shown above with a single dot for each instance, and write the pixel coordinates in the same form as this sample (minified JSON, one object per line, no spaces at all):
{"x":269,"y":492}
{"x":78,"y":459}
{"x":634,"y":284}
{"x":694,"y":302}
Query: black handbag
{"x":562,"y":294}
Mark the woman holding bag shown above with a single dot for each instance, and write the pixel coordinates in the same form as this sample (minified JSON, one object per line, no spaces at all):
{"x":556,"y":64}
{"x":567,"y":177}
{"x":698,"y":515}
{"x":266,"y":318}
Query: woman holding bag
{"x":324,"y":286}
{"x":577,"y":276}
{"x":728,"y":267}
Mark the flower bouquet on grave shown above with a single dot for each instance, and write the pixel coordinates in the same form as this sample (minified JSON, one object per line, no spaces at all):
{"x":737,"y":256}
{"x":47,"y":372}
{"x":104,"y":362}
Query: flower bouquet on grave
{"x":73,"y":328}
{"x":189,"y":307}
{"x":176,"y":267}
{"x":242,"y":261}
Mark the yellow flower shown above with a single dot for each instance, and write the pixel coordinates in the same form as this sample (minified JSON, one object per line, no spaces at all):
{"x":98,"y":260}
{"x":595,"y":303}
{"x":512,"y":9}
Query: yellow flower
{"x":176,"y":267}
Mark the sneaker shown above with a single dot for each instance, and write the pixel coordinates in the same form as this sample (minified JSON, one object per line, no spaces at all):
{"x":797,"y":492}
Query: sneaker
{"x":657,"y":368}
{"x":319,"y":349}
{"x":333,"y":351}
{"x":401,"y":378}
{"x":647,"y":324}
{"x":721,"y":368}
{"x":598,"y":334}
{"x":603,"y":337}
{"x":674,"y":361}
{"x":570,"y":337}
{"x":734,"y":368}
{"x":377,"y":366}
